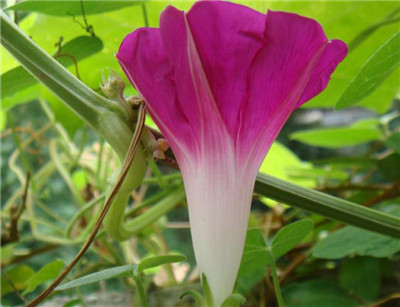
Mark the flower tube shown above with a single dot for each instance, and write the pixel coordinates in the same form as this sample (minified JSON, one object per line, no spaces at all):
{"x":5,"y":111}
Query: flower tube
{"x":220,"y":81}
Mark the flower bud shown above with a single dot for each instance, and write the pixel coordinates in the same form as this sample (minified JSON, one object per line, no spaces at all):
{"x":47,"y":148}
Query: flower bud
{"x":113,"y":87}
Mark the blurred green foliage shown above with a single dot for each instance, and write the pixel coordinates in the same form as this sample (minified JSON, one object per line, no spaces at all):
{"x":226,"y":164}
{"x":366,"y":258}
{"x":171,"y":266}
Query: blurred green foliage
{"x":359,"y":160}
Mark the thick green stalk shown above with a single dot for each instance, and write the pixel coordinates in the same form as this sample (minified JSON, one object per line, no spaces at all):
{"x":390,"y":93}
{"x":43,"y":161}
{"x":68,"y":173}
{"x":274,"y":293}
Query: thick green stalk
{"x":104,"y":115}
{"x":327,"y":205}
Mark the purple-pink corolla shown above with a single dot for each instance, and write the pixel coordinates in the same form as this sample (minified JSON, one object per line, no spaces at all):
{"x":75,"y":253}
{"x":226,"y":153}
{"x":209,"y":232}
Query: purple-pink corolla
{"x":220,"y":81}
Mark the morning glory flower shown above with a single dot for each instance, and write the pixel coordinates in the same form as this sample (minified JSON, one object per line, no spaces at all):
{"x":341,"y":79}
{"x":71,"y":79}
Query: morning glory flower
{"x":220,"y":81}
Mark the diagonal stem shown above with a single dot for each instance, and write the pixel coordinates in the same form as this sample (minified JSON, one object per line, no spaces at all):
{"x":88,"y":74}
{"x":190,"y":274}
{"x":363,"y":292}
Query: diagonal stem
{"x":327,"y":205}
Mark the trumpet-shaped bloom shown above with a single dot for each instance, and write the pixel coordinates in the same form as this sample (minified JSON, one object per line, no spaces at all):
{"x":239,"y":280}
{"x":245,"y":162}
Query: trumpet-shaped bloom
{"x":220,"y":82}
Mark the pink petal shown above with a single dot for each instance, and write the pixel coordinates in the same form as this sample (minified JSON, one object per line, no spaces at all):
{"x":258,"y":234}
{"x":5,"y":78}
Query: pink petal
{"x":195,"y":97}
{"x":227,"y":37}
{"x":333,"y":54}
{"x":144,"y":60}
{"x":280,"y":74}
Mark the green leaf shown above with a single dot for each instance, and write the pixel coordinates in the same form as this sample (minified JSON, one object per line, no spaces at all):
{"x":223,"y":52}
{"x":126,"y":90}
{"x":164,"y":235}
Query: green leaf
{"x":234,"y":300}
{"x":24,"y":96}
{"x":361,"y":37}
{"x":7,"y":253}
{"x":327,"y":205}
{"x":290,"y":236}
{"x":62,"y":113}
{"x":255,"y":253}
{"x":195,"y":295}
{"x":346,"y":162}
{"x":209,"y":300}
{"x":317,"y":293}
{"x":18,"y":275}
{"x":157,"y":261}
{"x":372,"y":123}
{"x":247,"y":282}
{"x":382,"y":63}
{"x":361,"y":277}
{"x":80,"y":179}
{"x":48,"y":272}
{"x":95,"y":277}
{"x":351,"y":240}
{"x":254,"y":261}
{"x":17,"y":79}
{"x":3,"y":119}
{"x":389,"y":166}
{"x":280,"y":161}
{"x":345,"y":20}
{"x":336,"y":137}
{"x":393,"y":142}
{"x":72,"y":8}
{"x":74,"y":303}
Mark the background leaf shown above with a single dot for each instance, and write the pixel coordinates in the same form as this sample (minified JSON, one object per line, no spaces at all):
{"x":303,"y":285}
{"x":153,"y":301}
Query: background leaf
{"x":95,"y":277}
{"x":194,"y":295}
{"x":255,"y":253}
{"x":393,"y":142}
{"x":280,"y":161}
{"x":290,"y":236}
{"x":7,"y":253}
{"x":389,"y":166}
{"x":350,"y":240}
{"x":355,"y":241}
{"x":360,"y":38}
{"x":77,"y":49}
{"x":18,"y":275}
{"x":361,"y":277}
{"x":234,"y":300}
{"x":317,"y":293}
{"x":63,"y":8}
{"x":46,"y":273}
{"x":336,"y":137}
{"x":373,"y":73}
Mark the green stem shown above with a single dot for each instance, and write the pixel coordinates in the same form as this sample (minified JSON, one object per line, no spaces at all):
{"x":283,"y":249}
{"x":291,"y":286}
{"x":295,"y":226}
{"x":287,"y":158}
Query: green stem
{"x":81,"y":149}
{"x":99,"y":162}
{"x":118,"y":259}
{"x":105,"y":116}
{"x":17,"y":141}
{"x":141,"y":291}
{"x":81,"y":212}
{"x":65,"y":174}
{"x":275,"y":280}
{"x":327,"y":205}
{"x":147,"y":202}
{"x":115,"y":226}
{"x":48,"y":211}
{"x":167,"y":178}
{"x":158,"y":175}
